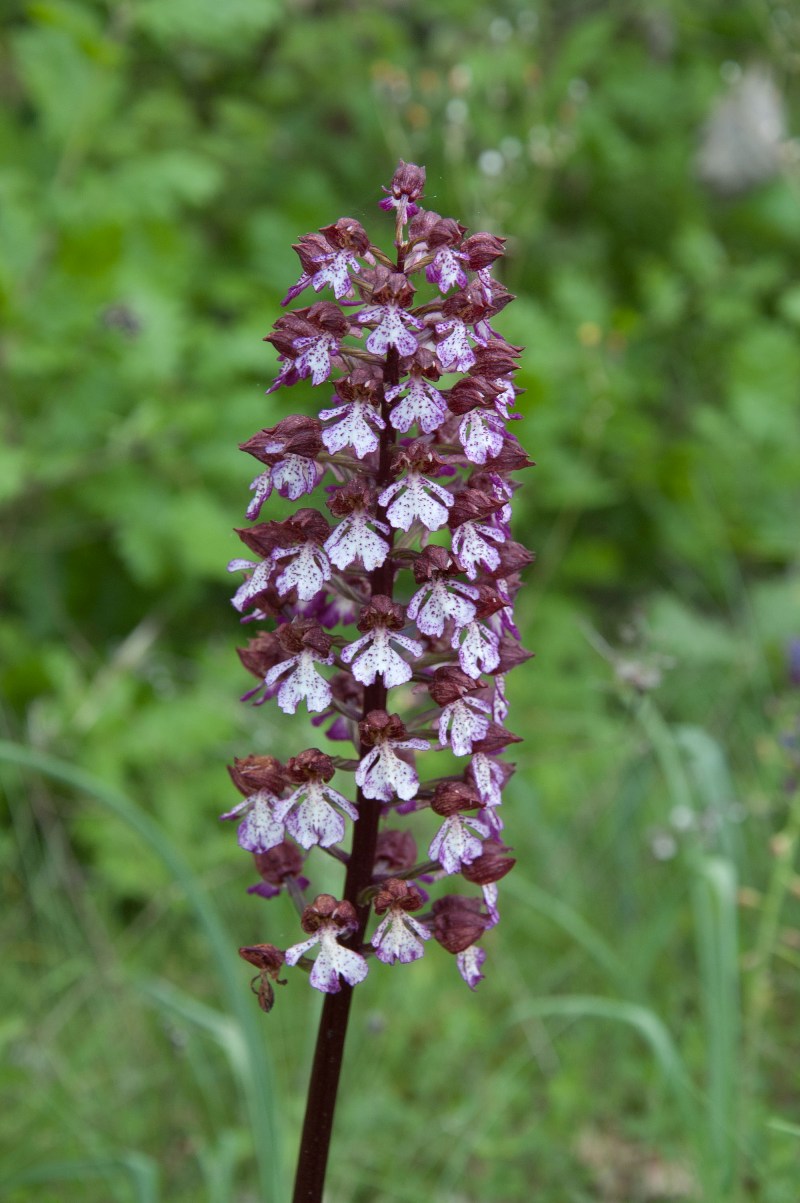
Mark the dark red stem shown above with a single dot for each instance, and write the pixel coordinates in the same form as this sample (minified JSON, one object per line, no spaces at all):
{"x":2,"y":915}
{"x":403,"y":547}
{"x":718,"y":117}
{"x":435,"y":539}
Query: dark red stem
{"x":315,"y":1140}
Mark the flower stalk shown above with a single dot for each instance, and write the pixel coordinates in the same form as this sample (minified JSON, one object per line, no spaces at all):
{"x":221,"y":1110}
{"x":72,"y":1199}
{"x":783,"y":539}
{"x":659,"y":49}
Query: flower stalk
{"x":403,"y":603}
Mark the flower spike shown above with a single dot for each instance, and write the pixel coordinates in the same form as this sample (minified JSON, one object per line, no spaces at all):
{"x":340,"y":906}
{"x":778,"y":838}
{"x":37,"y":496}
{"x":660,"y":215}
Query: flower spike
{"x":386,"y":610}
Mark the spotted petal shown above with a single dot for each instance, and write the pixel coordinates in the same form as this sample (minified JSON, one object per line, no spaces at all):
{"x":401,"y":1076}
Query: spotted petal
{"x":470,"y":962}
{"x":382,"y":774}
{"x":334,"y":961}
{"x":461,"y":724}
{"x":422,"y":403}
{"x":416,"y":497}
{"x":263,"y":825}
{"x":478,"y":649}
{"x":455,"y":845}
{"x":434,"y":603}
{"x":471,"y":546}
{"x":399,"y":938}
{"x":303,"y":683}
{"x":296,"y":475}
{"x":308,"y":571}
{"x":353,"y":539}
{"x":355,"y":429}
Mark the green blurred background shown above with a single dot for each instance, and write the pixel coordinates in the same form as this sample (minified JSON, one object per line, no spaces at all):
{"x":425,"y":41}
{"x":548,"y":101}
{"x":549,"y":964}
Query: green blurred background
{"x":635,"y":1038}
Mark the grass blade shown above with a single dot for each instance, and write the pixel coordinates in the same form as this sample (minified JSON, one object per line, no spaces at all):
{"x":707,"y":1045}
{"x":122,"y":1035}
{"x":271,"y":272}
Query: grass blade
{"x":257,"y":1082}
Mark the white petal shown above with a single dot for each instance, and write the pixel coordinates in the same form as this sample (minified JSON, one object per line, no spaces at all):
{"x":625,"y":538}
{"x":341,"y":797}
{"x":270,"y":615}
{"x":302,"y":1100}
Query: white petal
{"x":382,"y":774}
{"x":398,"y":939}
{"x":421,"y":745}
{"x":422,"y":404}
{"x":469,"y":964}
{"x":416,"y":501}
{"x":446,"y":271}
{"x":339,"y":800}
{"x":392,"y":332}
{"x":488,"y":777}
{"x":441,"y":605}
{"x":478,"y":651}
{"x":411,"y":645}
{"x":353,"y":648}
{"x":334,"y":961}
{"x":432,"y":514}
{"x":334,"y":272}
{"x":308,"y":572}
{"x":379,"y":657}
{"x":365,"y":769}
{"x":454,"y":352}
{"x":353,"y":540}
{"x":471,"y":547}
{"x":385,"y":497}
{"x":313,"y":820}
{"x":466,"y":727}
{"x":480,"y":436}
{"x":315,"y":359}
{"x":261,"y":488}
{"x":263,"y":826}
{"x":257,"y":582}
{"x":499,"y":700}
{"x":304,"y":682}
{"x":295,"y":475}
{"x":490,"y":895}
{"x":293,"y":954}
{"x":354,"y":430}
{"x":454,"y":845}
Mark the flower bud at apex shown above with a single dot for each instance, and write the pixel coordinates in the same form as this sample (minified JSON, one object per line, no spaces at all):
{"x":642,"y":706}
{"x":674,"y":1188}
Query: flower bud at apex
{"x":408,"y":180}
{"x":405,"y":582}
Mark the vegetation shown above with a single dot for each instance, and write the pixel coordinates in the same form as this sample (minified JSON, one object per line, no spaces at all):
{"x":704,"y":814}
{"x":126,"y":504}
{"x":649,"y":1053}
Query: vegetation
{"x":634,"y":1036}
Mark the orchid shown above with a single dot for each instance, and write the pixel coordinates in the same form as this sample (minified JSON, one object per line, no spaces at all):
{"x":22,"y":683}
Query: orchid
{"x":409,"y":588}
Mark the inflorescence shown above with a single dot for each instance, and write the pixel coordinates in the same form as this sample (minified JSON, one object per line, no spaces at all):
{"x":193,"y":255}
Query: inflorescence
{"x":407,"y":588}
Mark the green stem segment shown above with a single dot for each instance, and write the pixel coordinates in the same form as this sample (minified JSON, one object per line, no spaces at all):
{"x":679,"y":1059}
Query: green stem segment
{"x":326,"y":1068}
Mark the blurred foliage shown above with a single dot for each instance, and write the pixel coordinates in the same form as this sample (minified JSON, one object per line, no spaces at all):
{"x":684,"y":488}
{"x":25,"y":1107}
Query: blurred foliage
{"x":157,"y":160}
